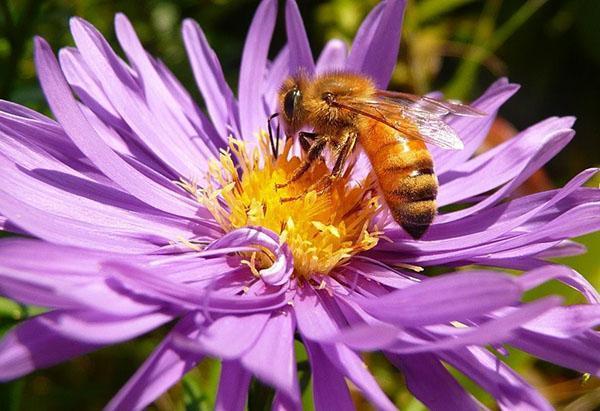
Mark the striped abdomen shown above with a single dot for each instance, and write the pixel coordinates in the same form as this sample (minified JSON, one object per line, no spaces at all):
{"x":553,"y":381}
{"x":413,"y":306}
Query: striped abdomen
{"x":404,"y":169}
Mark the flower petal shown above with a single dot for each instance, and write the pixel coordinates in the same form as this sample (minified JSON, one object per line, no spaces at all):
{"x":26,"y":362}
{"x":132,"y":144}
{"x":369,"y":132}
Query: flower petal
{"x":138,"y":101}
{"x":233,"y":387}
{"x":228,"y":337}
{"x":165,"y":367}
{"x":151,"y":283}
{"x":271,"y":358}
{"x":375,"y":48}
{"x":330,"y":391}
{"x":300,"y":55}
{"x":430,"y":382}
{"x":33,"y":345}
{"x":505,"y":222}
{"x":99,"y":328}
{"x":513,"y":160}
{"x":253,"y":68}
{"x":350,"y":364}
{"x":278,"y":71}
{"x":450,"y":297}
{"x":160,"y":98}
{"x":333,"y":56}
{"x":472,"y":131}
{"x":510,"y":390}
{"x":316,"y":322}
{"x":218,"y":97}
{"x":79,"y":130}
{"x":128,"y":223}
{"x":283,"y":265}
{"x":579,"y":352}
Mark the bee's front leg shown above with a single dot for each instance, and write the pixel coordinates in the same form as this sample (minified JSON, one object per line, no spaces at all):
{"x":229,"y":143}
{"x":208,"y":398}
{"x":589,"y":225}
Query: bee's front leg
{"x":314,"y":152}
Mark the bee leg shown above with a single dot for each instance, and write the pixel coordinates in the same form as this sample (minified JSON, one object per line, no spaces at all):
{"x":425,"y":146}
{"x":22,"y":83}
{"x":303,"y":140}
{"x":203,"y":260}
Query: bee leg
{"x":313,"y":154}
{"x":306,"y":140}
{"x":325,"y":182}
{"x":343,"y":155}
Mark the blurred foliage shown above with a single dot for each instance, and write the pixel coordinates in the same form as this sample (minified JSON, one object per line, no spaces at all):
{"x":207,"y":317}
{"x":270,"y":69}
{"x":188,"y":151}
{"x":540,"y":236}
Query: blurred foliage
{"x":552,"y":47}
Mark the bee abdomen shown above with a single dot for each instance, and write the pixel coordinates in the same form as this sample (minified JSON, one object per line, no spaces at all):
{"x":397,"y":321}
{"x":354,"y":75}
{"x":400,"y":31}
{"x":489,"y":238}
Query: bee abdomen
{"x":410,"y":188}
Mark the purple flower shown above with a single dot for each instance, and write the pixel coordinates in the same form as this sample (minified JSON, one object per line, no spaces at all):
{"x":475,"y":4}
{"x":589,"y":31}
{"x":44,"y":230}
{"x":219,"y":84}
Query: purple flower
{"x":145,"y":210}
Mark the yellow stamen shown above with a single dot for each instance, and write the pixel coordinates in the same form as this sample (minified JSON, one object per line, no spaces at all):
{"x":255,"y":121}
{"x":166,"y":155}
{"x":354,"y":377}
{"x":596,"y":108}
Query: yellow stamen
{"x":322,"y":231}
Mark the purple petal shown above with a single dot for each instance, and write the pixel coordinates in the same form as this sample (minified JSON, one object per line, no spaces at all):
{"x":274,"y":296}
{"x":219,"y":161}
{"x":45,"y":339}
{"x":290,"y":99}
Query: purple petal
{"x":473,"y":131}
{"x":330,"y":391}
{"x":579,"y":352}
{"x":479,"y":230}
{"x":140,"y":103}
{"x":278,"y":71}
{"x":272,"y":358}
{"x":510,"y":390}
{"x":314,"y":320}
{"x":513,"y":160}
{"x":203,"y":126}
{"x":100,"y":329}
{"x":494,"y":331}
{"x":281,"y":403}
{"x":578,"y":221}
{"x":443,"y":299}
{"x":218,"y":97}
{"x":152,"y":284}
{"x":333,"y":56}
{"x":79,"y":130}
{"x":233,"y":387}
{"x":164,"y":368}
{"x":351,"y":365}
{"x":430,"y":382}
{"x":127,"y":223}
{"x":33,"y":345}
{"x":87,"y":87}
{"x":375,"y":48}
{"x":65,"y":278}
{"x":300,"y":55}
{"x":566,"y":322}
{"x":160,"y":98}
{"x":547,"y":271}
{"x":228,"y":337}
{"x":253,"y":69}
{"x":66,"y":231}
{"x":317,"y":322}
{"x":282,"y":268}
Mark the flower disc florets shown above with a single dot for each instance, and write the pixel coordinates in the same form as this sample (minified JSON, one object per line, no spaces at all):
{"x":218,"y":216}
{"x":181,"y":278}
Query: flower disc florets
{"x":323,"y":231}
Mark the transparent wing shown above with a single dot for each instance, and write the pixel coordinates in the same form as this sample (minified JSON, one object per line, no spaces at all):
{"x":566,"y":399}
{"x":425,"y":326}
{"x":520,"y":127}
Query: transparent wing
{"x":414,"y":118}
{"x":429,"y":104}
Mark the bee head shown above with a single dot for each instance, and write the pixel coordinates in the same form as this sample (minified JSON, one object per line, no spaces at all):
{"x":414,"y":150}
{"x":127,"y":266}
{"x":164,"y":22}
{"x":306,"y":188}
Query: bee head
{"x":291,"y":107}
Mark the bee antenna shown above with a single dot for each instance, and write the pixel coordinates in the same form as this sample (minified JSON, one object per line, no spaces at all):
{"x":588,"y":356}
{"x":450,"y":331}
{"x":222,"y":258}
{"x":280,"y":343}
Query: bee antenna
{"x":274,"y":143}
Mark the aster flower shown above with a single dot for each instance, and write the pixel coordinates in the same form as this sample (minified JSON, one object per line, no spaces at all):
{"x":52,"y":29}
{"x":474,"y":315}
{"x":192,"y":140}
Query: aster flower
{"x":144,"y":210}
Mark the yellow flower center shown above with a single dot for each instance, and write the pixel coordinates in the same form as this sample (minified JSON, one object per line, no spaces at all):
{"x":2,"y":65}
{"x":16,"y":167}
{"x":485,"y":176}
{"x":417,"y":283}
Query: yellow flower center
{"x":322,"y":231}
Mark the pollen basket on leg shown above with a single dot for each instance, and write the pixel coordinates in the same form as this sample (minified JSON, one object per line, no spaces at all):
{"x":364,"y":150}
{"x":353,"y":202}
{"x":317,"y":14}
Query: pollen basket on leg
{"x":323,"y":231}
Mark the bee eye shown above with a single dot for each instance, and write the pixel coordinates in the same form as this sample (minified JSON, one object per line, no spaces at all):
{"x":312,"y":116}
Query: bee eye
{"x":291,"y":102}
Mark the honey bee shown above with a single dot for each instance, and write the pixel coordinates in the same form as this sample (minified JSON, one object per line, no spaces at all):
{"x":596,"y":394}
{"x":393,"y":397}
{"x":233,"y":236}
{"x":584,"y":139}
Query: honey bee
{"x":392,"y":128}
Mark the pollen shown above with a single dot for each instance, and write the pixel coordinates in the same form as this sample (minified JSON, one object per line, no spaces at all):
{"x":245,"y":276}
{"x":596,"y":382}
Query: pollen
{"x":323,"y":231}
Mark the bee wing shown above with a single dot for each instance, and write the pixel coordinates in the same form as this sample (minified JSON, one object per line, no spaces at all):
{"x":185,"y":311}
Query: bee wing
{"x":430,"y":104}
{"x":420,"y":122}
